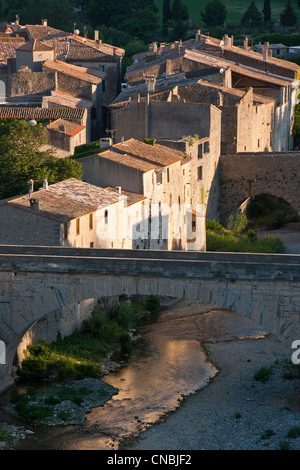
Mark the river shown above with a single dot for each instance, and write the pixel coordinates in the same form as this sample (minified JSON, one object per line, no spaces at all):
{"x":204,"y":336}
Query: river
{"x":166,"y":364}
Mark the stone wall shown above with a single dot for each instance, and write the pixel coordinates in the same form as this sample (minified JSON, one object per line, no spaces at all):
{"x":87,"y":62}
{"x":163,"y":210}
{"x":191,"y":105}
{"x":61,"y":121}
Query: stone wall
{"x":24,"y":227}
{"x":264,"y":288}
{"x":246,"y":175}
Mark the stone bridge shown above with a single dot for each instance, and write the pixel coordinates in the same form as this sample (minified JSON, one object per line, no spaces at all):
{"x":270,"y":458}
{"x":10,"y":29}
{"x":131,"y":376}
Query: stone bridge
{"x":35,"y":281}
{"x":249,"y":174}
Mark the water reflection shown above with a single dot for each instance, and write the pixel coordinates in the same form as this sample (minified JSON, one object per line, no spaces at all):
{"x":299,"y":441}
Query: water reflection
{"x":166,"y":364}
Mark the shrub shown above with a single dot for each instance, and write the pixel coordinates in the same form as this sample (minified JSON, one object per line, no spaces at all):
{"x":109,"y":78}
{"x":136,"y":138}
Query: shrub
{"x":124,"y":314}
{"x":153,"y":304}
{"x":293,"y":432}
{"x":263,"y":374}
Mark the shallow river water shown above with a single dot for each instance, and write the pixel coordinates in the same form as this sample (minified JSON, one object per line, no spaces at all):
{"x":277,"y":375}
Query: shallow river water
{"x":166,"y":364}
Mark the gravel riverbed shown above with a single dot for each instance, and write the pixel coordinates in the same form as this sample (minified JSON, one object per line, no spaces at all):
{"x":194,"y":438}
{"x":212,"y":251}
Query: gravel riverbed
{"x":234,"y":411}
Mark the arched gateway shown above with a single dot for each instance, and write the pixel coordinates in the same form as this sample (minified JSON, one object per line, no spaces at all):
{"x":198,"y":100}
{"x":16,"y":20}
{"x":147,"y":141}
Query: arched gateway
{"x":35,"y":281}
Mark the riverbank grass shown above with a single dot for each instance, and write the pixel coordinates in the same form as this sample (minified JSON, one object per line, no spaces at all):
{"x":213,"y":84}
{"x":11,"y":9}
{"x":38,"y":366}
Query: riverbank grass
{"x":237,"y":237}
{"x":80,"y":354}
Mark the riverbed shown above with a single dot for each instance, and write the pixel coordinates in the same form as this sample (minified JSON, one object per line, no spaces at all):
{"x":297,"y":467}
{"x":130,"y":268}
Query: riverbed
{"x":188,"y":384}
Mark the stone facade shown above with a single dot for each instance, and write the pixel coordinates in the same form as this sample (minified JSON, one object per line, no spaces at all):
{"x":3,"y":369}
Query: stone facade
{"x":245,"y":175}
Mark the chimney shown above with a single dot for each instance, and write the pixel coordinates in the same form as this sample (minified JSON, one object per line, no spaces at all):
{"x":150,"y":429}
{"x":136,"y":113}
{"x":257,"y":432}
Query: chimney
{"x":168,"y":67}
{"x":122,"y":140}
{"x":151,"y":82}
{"x":119,"y":189}
{"x":226,"y":40}
{"x":154,"y":46}
{"x":34,"y":204}
{"x":246,"y":43}
{"x":45,"y":184}
{"x":198,"y":35}
{"x":266,"y":51}
{"x":45,"y":22}
{"x":96,"y":35}
{"x":31,"y":186}
{"x":231,"y":41}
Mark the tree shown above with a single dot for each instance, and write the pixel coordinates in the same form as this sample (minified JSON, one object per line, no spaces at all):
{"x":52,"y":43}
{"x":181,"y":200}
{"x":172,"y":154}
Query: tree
{"x":166,"y":13}
{"x":142,"y":25}
{"x":252,"y":18}
{"x":288,"y":17}
{"x":214,"y":14}
{"x":267,"y":10}
{"x":179,"y":12}
{"x":21,"y":159}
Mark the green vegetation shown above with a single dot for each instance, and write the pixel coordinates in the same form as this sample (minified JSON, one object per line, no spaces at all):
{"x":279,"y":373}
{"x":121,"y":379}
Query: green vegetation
{"x":267,"y":434}
{"x":214,"y":14}
{"x":270,"y":212}
{"x":63,"y":402}
{"x":284,"y":445}
{"x":291,"y":371}
{"x":21,"y":159}
{"x":252,"y":18}
{"x":263,"y":374}
{"x":237,"y":238}
{"x":235,"y":10}
{"x":80,"y":354}
{"x":293,"y":432}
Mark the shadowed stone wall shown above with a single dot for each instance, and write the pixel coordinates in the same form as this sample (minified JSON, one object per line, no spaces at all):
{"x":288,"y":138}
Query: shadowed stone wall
{"x":264,"y":288}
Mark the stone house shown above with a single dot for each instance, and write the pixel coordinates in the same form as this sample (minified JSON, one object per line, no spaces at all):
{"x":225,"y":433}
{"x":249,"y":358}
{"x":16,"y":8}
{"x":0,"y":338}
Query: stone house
{"x":71,"y":213}
{"x":66,"y":135}
{"x":247,"y":119}
{"x":32,"y":55}
{"x":163,"y":174}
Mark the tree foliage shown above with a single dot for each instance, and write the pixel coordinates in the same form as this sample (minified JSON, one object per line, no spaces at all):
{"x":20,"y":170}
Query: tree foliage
{"x":179,"y":12}
{"x":288,"y":17}
{"x":166,"y":13}
{"x":214,"y":14}
{"x":22,"y":160}
{"x":267,"y":10}
{"x":252,"y":18}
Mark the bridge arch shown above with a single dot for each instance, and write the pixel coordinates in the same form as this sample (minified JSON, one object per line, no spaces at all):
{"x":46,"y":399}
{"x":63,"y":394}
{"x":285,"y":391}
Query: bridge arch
{"x":264,"y":288}
{"x":246,"y":174}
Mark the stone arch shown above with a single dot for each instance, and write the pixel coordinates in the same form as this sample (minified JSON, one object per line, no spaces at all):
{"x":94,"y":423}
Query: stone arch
{"x":264,"y":288}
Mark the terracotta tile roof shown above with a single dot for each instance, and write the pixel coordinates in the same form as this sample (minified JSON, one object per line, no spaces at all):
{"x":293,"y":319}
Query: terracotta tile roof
{"x":193,"y":87}
{"x":83,"y":51}
{"x":14,"y":112}
{"x":81,"y":73}
{"x":66,"y":127}
{"x":45,"y":32}
{"x":143,"y":157}
{"x":8,"y":49}
{"x":35,"y":46}
{"x":67,"y":200}
{"x":132,"y":198}
{"x":63,"y":98}
{"x":214,"y":62}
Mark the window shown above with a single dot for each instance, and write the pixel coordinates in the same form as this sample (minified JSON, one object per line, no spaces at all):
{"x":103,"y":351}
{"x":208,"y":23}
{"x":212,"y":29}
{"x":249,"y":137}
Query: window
{"x":101,"y":68}
{"x":77,"y":226}
{"x":206,"y":146}
{"x":258,"y":143}
{"x":103,"y":85}
{"x":168,"y":175}
{"x":200,"y":151}
{"x":159,"y":178}
{"x":92,"y":245}
{"x":91,"y":221}
{"x":106,"y":217}
{"x":65,"y":231}
{"x":200,"y":175}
